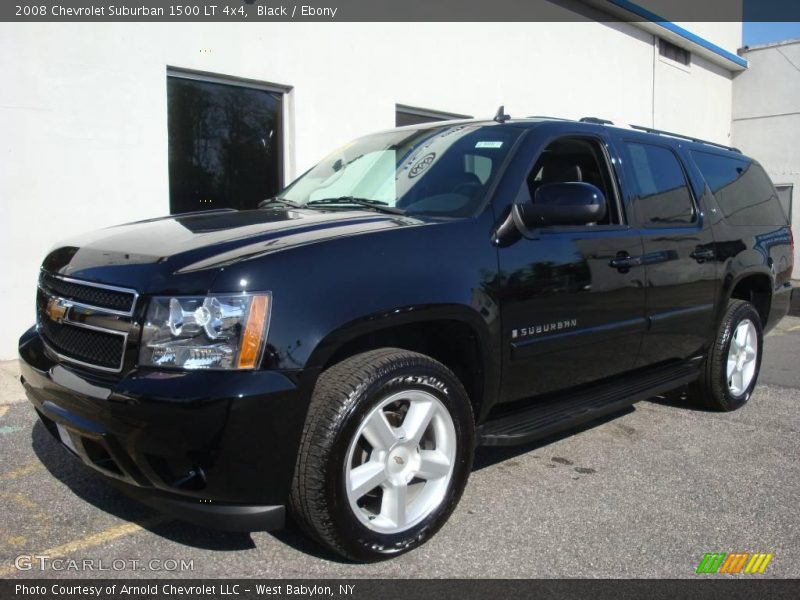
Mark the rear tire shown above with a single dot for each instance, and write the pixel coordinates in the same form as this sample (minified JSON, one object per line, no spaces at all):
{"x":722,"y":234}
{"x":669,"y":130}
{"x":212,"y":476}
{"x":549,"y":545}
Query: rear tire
{"x":386,"y":451}
{"x":731,"y":367}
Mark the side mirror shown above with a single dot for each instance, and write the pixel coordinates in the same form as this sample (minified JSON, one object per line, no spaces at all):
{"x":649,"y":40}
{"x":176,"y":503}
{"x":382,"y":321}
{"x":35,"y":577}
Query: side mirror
{"x":564,"y":204}
{"x":574,"y":203}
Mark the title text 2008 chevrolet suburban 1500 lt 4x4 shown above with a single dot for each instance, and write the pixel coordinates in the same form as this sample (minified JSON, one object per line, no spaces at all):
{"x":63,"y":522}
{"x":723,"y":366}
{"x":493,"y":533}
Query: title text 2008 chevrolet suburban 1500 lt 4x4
{"x":341,"y":350}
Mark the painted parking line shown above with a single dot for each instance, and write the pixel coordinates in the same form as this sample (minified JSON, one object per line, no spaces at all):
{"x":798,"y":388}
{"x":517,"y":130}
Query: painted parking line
{"x":41,"y":520}
{"x":32,"y":467}
{"x":24,"y":501}
{"x":7,"y":428}
{"x":96,"y":539}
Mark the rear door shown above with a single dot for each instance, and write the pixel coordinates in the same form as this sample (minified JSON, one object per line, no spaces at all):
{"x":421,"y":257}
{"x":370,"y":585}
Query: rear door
{"x":569,"y":317}
{"x":679,"y":256}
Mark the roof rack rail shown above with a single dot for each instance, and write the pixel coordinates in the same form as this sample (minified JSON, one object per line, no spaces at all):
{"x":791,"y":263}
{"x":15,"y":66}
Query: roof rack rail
{"x":684,"y":137}
{"x":596,"y":121}
{"x":547,"y":117}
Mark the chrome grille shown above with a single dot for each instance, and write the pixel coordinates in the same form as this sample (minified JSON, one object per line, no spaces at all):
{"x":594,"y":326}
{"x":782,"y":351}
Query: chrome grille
{"x":92,"y":295}
{"x":85,"y":323}
{"x":88,"y":347}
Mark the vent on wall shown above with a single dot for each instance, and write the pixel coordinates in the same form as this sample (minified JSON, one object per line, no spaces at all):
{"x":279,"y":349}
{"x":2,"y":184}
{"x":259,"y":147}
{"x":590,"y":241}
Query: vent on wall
{"x":673,"y":52}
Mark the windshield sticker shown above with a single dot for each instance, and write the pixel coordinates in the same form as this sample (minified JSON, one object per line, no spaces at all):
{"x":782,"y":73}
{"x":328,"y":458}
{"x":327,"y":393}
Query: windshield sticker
{"x":489,"y":145}
{"x":422,"y":164}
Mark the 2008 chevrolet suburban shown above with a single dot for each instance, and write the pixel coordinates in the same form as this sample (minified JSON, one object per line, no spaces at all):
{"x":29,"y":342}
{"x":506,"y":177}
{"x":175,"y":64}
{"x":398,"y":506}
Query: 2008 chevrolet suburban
{"x":342,"y":349}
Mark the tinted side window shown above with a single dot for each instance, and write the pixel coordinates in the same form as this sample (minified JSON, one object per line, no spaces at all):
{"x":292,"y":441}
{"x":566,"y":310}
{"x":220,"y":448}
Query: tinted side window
{"x":663,"y":197}
{"x":742,"y":189}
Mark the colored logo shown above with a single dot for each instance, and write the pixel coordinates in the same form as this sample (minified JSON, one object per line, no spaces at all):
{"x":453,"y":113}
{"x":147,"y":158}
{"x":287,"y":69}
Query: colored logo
{"x":57,"y":309}
{"x":734,"y":563}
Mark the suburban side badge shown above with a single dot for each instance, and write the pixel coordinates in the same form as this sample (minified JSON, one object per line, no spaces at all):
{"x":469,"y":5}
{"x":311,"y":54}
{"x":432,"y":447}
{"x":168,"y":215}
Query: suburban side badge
{"x":544,"y":328}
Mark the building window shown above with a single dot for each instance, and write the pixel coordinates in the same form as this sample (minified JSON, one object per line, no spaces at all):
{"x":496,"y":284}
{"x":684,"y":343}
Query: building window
{"x":673,"y":52}
{"x":224,"y":142}
{"x":409,"y":115}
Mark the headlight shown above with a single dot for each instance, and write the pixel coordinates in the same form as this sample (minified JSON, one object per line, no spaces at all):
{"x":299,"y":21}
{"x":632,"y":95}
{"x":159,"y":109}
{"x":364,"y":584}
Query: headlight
{"x":207,"y":332}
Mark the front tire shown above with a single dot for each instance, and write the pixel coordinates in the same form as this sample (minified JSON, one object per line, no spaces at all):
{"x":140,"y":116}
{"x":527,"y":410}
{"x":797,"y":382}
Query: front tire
{"x":386,"y":452}
{"x":732,"y":365}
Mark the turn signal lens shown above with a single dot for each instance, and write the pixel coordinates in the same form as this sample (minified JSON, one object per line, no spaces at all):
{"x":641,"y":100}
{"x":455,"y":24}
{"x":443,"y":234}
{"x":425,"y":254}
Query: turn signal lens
{"x":253,"y":338}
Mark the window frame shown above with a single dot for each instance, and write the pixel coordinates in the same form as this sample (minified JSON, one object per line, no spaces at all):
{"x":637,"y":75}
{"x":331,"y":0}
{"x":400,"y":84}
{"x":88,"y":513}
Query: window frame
{"x":253,"y":84}
{"x":636,"y":198}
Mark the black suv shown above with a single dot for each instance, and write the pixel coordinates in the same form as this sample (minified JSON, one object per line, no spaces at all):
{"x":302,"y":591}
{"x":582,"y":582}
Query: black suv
{"x":342,"y":349}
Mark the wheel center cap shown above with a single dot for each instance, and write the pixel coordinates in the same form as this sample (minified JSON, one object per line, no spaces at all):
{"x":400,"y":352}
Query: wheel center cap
{"x":402,"y":462}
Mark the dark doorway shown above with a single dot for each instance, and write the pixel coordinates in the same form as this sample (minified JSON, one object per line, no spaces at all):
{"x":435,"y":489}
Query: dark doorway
{"x":224,"y":143}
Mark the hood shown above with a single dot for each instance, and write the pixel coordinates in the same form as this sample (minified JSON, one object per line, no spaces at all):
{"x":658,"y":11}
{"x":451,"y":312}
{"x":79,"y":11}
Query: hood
{"x":149,"y":255}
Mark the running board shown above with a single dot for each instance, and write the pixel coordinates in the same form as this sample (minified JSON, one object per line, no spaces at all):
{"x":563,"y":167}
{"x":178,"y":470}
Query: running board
{"x":557,"y":414}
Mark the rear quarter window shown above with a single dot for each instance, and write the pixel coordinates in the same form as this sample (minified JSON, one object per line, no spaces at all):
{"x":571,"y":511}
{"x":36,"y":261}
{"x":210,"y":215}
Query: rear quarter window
{"x":743,"y":190}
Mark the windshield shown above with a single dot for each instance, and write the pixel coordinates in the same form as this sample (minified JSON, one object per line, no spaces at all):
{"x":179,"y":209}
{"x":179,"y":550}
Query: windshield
{"x":443,"y":171}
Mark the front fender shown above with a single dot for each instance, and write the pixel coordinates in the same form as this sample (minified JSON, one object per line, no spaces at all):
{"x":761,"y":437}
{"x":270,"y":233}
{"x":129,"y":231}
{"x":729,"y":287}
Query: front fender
{"x":399,"y":317}
{"x":327,"y":293}
{"x":385,"y":327}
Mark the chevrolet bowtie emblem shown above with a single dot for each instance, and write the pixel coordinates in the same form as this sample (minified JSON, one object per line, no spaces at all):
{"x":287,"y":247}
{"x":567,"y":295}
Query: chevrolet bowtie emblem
{"x":57,"y":309}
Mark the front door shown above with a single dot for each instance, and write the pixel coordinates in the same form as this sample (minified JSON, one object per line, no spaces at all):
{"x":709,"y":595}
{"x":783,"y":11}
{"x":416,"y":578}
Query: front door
{"x":571,"y":297}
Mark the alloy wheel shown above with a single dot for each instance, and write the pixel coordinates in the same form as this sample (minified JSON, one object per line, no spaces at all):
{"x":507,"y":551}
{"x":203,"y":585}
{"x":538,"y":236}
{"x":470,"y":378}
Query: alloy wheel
{"x":742,"y":356}
{"x":400,"y":461}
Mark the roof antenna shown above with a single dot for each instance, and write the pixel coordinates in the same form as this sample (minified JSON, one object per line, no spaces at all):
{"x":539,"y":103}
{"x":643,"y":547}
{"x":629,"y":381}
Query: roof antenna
{"x":501,"y":117}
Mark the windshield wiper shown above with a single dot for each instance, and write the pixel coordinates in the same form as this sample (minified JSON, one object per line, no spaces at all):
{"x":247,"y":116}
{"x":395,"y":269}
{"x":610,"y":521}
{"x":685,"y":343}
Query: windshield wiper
{"x":279,"y":200}
{"x":378,"y":205}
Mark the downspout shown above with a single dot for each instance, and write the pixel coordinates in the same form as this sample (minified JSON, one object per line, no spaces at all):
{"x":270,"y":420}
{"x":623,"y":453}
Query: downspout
{"x":653,"y":102}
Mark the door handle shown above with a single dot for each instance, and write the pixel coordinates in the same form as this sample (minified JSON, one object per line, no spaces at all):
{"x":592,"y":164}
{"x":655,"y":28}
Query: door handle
{"x":702,"y":255}
{"x":624,"y":262}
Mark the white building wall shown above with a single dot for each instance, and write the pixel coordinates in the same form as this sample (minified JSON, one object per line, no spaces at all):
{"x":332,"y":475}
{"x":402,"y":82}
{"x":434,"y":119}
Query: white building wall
{"x":83,"y":108}
{"x":766,"y":117}
{"x":693,"y":100}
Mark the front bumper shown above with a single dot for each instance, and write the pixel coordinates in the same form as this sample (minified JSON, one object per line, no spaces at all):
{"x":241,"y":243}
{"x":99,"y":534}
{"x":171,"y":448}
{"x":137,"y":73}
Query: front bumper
{"x":213,"y":447}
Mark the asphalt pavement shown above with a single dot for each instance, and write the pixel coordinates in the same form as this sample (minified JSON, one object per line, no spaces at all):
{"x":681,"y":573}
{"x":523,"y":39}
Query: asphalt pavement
{"x":645,"y":493}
